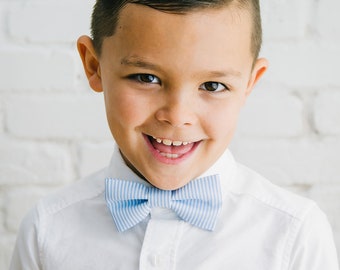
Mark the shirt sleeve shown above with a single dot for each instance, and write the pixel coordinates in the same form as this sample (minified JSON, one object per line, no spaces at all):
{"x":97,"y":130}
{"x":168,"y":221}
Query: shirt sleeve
{"x":314,"y":247}
{"x":26,"y":251}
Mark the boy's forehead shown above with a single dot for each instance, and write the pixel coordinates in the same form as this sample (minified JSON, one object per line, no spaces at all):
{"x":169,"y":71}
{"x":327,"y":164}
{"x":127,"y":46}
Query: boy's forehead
{"x":202,"y":33}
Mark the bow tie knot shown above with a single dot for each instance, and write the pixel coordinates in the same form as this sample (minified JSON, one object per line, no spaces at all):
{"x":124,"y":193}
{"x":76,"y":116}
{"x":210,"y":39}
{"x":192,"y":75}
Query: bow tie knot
{"x":197,"y":203}
{"x":159,"y":198}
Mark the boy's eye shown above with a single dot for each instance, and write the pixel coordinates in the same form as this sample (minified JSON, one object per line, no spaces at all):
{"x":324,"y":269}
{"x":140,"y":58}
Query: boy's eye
{"x":146,"y":78}
{"x":213,"y":86}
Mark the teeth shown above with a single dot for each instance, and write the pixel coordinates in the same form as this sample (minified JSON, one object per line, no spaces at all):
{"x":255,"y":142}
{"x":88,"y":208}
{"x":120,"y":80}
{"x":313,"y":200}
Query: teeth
{"x":169,"y":142}
{"x":177,"y":143}
{"x":168,"y":155}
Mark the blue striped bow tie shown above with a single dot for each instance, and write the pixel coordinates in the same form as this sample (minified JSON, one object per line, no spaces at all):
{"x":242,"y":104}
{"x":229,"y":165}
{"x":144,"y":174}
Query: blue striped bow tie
{"x":197,"y":203}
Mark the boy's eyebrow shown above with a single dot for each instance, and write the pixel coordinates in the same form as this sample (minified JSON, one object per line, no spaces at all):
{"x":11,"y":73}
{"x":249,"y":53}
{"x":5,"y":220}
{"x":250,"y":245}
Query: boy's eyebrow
{"x":228,"y":73}
{"x":137,"y":61}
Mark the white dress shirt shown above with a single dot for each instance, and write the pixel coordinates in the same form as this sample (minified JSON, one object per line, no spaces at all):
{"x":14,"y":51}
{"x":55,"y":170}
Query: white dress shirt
{"x":260,"y":227}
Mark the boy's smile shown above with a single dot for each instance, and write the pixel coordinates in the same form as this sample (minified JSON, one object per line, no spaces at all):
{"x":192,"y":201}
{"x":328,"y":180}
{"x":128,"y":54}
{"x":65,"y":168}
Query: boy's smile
{"x":168,"y":151}
{"x":173,"y":86}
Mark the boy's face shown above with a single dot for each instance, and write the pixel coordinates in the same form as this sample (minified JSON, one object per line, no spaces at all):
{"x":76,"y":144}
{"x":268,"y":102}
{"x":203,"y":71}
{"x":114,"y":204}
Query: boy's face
{"x":173,"y":87}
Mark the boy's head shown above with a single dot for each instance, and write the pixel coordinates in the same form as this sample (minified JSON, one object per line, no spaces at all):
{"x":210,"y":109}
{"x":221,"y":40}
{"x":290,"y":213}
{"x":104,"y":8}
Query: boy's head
{"x":106,"y":13}
{"x":174,"y":80}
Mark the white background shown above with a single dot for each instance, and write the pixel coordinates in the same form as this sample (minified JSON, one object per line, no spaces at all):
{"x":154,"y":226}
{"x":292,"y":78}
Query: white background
{"x":53,"y":128}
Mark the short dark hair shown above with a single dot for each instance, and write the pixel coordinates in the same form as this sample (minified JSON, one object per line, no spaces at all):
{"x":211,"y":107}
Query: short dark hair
{"x":106,"y":13}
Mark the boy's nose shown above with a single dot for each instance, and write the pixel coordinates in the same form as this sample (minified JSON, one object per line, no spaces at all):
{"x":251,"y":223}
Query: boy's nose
{"x":177,"y":111}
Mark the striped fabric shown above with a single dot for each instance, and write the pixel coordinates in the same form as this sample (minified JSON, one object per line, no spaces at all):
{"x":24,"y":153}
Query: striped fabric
{"x":197,"y":203}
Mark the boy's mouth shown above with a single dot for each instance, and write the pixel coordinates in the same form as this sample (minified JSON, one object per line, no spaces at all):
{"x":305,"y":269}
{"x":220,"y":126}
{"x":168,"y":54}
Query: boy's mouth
{"x":171,"y":150}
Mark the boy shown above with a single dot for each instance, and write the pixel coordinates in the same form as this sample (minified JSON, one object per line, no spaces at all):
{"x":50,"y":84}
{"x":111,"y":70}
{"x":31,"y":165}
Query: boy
{"x":175,"y":75}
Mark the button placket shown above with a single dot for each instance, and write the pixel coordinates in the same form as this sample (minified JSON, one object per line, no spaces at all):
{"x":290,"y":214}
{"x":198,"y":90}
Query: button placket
{"x":160,"y":244}
{"x":155,"y":260}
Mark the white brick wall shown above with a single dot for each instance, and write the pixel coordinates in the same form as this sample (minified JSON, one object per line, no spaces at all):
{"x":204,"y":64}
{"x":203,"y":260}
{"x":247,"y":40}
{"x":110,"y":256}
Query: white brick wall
{"x":56,"y":116}
{"x":53,"y":128}
{"x":327,"y":117}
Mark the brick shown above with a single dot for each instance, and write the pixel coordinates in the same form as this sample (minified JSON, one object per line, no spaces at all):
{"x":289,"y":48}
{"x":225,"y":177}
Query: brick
{"x":19,"y":202}
{"x":25,"y":21}
{"x":7,"y":242}
{"x":2,"y":208}
{"x":327,"y":112}
{"x":2,"y":117}
{"x":36,"y":69}
{"x":304,"y":161}
{"x":2,"y":22}
{"x":271,"y":112}
{"x":23,"y":163}
{"x":329,"y":164}
{"x":57,"y":116}
{"x":306,"y":66}
{"x":284,"y":21}
{"x":327,"y":20}
{"x":94,"y":156}
{"x":301,"y":190}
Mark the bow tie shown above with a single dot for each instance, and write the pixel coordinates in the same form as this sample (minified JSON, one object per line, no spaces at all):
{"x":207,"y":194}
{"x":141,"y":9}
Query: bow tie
{"x":197,"y":203}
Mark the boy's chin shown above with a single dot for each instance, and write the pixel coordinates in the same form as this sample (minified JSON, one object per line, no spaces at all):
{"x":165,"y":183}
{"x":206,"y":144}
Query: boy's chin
{"x":168,"y":184}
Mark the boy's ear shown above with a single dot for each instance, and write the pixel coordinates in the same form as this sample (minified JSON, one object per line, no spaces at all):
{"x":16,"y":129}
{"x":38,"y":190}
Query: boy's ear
{"x":90,"y":62}
{"x":259,"y":69}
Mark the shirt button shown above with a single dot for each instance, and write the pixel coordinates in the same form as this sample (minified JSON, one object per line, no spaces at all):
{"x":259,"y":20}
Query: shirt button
{"x":155,"y":260}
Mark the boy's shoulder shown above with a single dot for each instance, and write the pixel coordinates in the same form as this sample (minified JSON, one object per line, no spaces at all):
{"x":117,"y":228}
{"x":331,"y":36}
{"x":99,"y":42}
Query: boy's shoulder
{"x":86,"y":188}
{"x":251,"y":184}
